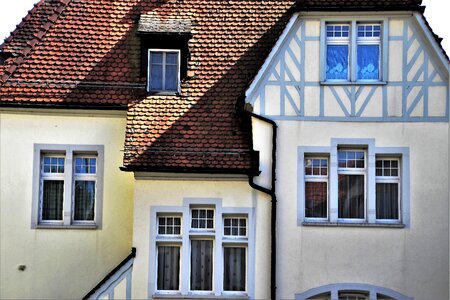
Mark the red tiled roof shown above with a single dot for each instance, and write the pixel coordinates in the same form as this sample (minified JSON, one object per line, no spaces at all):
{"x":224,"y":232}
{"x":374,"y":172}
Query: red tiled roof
{"x":82,"y":52}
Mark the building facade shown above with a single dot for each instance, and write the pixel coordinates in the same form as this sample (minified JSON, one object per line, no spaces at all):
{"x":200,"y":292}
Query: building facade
{"x":224,"y":149}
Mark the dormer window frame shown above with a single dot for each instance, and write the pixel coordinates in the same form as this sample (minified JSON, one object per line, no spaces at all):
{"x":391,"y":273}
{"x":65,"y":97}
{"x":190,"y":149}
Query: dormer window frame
{"x":164,"y":64}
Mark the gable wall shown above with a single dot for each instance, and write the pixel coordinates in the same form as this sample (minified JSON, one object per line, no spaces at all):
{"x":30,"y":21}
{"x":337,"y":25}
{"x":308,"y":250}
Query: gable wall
{"x":414,"y":87}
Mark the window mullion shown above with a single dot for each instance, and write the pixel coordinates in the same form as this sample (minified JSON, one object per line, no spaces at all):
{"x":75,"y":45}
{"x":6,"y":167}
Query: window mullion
{"x":163,"y":71}
{"x":353,"y":47}
{"x":68,"y":188}
{"x":333,"y":186}
{"x":371,"y":188}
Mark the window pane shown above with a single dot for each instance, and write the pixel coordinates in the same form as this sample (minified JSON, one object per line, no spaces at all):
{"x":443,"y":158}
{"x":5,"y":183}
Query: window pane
{"x":234,"y":268}
{"x":168,"y":268}
{"x":202,"y":218}
{"x":316,"y":199}
{"x":368,"y":61}
{"x":53,"y":164}
{"x":52,"y":200}
{"x":172,"y":58}
{"x":351,"y":197}
{"x":156,"y":77}
{"x":337,"y":62}
{"x":156,"y":57}
{"x":84,"y":200}
{"x":387,"y":201}
{"x":171,"y":78}
{"x":201,"y":265}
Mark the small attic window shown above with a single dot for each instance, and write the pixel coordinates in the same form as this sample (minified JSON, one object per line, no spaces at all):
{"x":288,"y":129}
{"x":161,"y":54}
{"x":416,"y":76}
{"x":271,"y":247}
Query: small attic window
{"x":163,"y":70}
{"x":164,"y":52}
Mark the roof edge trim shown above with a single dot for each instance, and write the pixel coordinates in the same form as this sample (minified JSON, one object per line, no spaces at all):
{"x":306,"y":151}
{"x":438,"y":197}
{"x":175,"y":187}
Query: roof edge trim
{"x":438,"y":49}
{"x":262,"y":71}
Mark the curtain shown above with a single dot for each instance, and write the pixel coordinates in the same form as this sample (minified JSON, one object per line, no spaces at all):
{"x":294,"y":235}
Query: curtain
{"x":368,"y":61}
{"x":52,"y":199}
{"x":156,"y":70}
{"x":168,"y":268}
{"x":387,"y":200}
{"x":316,"y":199}
{"x":171,"y":71}
{"x":337,"y":62}
{"x":351,"y":197}
{"x":234,"y":269}
{"x":201,"y":265}
{"x":84,"y":200}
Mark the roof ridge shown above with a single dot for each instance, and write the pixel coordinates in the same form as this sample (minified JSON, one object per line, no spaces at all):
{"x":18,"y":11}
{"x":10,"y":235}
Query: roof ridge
{"x":17,"y":61}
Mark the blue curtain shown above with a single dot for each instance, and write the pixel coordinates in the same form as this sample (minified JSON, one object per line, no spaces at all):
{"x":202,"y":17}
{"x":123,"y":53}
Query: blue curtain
{"x":337,"y":62}
{"x":368,"y":61}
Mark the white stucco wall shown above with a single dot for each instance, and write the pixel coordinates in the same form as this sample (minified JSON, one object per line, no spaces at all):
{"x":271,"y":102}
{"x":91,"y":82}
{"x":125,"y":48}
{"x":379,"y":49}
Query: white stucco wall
{"x":232,"y":193}
{"x":60,"y":263}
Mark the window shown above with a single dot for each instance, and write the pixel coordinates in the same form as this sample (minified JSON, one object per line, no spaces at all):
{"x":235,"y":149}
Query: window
{"x":350,"y":291}
{"x":351,"y":184}
{"x":316,"y":188}
{"x":202,"y":219}
{"x":354,"y":182}
{"x":163,"y":70}
{"x":212,"y":241}
{"x":387,"y":188}
{"x":342,"y":40}
{"x":67,"y":187}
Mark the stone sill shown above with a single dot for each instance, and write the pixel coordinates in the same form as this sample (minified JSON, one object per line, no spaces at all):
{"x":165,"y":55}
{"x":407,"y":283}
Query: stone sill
{"x":347,"y":224}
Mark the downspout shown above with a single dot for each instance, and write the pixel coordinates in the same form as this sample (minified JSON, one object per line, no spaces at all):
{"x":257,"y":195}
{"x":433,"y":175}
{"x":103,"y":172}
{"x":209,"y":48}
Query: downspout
{"x":272,"y":194}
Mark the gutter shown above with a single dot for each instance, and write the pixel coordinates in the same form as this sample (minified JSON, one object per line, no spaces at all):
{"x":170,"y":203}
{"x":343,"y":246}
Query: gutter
{"x":272,"y":194}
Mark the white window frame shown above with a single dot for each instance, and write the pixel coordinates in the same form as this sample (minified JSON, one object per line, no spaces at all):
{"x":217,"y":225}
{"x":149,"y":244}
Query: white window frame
{"x":168,"y":244}
{"x":49,"y":177}
{"x":206,"y":219}
{"x":81,"y":177}
{"x":372,"y":153}
{"x":354,"y":171}
{"x":318,"y":178}
{"x":354,"y":22}
{"x":149,"y":79}
{"x":245,"y":246}
{"x":69,"y":152}
{"x":219,"y":241}
{"x":391,"y":179}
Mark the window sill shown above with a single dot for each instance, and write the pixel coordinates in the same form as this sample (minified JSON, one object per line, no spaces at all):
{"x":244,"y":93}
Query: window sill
{"x":347,"y":224}
{"x":50,"y":226}
{"x":163,"y":93}
{"x":353,"y":83}
{"x":199,"y":296}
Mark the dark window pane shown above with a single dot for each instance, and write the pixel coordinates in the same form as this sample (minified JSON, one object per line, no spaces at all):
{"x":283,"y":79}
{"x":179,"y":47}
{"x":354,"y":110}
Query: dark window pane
{"x":84,"y":200}
{"x":226,"y":231}
{"x":52,"y":200}
{"x":202,"y":213}
{"x":194,"y":223}
{"x":316,"y":199}
{"x":234,"y":260}
{"x":351,"y":197}
{"x":172,"y":58}
{"x":242,"y":222}
{"x":210,"y":224}
{"x":156,"y":77}
{"x":168,"y":268}
{"x":387,"y":200}
{"x":161,"y":230}
{"x":201,"y":265}
{"x":210,"y":214}
{"x":171,"y":78}
{"x":156,"y":58}
{"x":177,"y":230}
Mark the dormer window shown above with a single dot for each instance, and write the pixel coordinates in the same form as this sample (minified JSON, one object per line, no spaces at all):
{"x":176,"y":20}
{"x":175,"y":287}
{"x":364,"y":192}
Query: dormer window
{"x":163,"y":70}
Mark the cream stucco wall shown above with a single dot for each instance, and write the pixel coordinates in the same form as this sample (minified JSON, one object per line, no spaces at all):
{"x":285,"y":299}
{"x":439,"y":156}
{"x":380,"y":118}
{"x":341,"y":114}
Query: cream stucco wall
{"x":60,"y":263}
{"x":232,"y":193}
{"x":413,"y":260}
